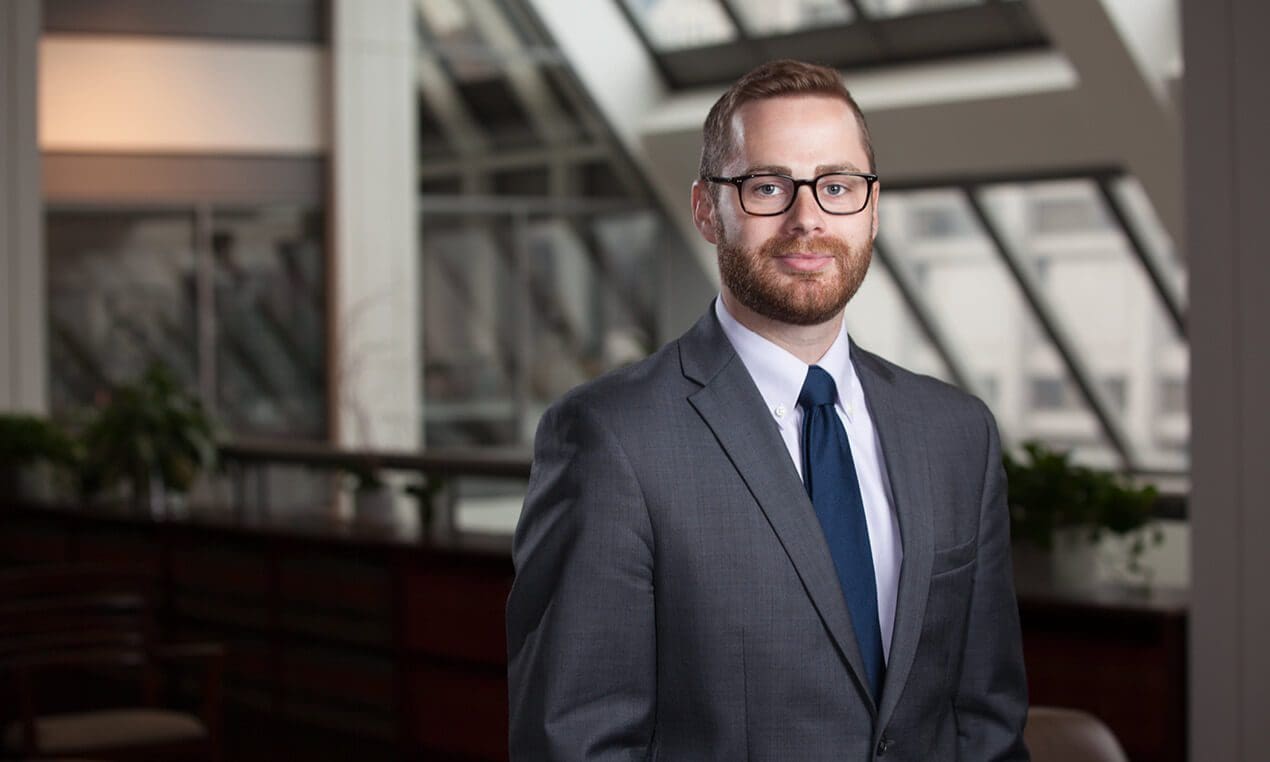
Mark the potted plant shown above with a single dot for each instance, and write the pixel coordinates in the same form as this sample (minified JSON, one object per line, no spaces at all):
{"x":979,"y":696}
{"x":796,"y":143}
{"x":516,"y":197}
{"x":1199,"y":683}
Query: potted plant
{"x":30,"y":441}
{"x":153,"y":436}
{"x":1060,"y":512}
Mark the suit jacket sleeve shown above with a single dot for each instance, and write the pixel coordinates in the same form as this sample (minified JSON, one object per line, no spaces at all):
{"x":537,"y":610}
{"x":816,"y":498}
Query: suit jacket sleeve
{"x":580,"y":617}
{"x":991,"y":699}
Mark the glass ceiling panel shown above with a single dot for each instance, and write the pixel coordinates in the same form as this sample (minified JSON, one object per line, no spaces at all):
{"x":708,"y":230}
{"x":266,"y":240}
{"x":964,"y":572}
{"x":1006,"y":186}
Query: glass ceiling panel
{"x":890,"y":8}
{"x":679,"y":24}
{"x":970,"y":293}
{"x":1087,"y":271}
{"x":763,"y":17}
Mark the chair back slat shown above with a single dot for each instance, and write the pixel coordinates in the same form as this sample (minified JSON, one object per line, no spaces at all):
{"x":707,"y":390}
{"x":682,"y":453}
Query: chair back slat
{"x":73,"y":607}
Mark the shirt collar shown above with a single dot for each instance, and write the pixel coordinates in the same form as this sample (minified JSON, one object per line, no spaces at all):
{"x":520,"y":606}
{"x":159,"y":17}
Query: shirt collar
{"x":779,"y":375}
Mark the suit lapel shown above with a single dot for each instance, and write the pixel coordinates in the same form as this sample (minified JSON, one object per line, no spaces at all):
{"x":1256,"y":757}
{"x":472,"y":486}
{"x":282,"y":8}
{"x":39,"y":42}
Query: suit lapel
{"x":730,"y":404}
{"x":904,"y":452}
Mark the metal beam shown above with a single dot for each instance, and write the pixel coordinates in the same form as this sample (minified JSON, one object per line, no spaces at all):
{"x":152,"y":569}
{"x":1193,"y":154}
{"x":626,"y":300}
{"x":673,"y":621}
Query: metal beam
{"x":464,"y":204}
{"x":524,"y":158}
{"x":1150,"y":264}
{"x":1049,"y":321}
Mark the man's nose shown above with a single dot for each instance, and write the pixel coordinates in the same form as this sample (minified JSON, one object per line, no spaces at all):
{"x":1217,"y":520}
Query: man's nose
{"x":805,"y":216}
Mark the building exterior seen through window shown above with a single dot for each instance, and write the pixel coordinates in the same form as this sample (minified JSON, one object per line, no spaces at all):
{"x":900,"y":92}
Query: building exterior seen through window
{"x":1077,"y":259}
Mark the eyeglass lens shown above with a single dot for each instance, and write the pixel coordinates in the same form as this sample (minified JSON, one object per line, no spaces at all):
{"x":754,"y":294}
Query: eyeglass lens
{"x":772,"y":194}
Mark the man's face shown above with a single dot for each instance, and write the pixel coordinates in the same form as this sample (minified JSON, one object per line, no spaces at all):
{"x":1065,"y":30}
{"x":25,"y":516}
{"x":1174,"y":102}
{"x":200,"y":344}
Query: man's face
{"x":803,"y":266}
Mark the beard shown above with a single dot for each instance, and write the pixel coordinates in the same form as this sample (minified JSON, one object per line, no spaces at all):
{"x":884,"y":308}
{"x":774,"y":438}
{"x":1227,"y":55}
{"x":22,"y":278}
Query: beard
{"x":795,"y":298}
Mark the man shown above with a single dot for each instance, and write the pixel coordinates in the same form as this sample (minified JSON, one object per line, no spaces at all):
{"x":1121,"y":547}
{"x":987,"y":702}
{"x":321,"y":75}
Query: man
{"x":764,"y":543}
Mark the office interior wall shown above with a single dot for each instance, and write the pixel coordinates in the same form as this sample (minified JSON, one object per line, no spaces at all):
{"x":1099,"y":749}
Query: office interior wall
{"x":23,"y":358}
{"x":1227,"y":116}
{"x":168,"y":95}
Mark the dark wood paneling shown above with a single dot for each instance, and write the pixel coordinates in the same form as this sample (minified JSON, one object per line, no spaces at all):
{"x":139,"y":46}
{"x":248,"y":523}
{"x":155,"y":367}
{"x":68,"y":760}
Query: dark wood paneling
{"x":1124,"y":664}
{"x":458,"y":613}
{"x":363,"y":640}
{"x":458,"y":711}
{"x":397,"y":642}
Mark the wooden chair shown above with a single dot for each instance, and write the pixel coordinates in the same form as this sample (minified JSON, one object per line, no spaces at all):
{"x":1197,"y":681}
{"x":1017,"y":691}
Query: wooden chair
{"x":76,"y":635}
{"x":1054,"y":734}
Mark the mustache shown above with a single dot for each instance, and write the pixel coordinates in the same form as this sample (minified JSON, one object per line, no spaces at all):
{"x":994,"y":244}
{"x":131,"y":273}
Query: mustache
{"x":779,"y":246}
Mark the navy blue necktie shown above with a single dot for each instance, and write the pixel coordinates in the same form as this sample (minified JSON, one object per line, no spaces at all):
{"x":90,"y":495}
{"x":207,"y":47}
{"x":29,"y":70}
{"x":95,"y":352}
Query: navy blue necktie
{"x":829,"y":473}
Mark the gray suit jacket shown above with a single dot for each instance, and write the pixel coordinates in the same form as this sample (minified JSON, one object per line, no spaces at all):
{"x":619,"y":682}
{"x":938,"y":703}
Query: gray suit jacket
{"x":675,"y":599}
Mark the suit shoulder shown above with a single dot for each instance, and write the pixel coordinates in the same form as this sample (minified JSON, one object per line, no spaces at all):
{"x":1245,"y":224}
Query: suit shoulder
{"x":638,"y":385}
{"x":928,"y":390}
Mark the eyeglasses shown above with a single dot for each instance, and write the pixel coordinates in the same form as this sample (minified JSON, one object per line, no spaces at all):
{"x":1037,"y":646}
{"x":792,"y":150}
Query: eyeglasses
{"x":769,"y":195}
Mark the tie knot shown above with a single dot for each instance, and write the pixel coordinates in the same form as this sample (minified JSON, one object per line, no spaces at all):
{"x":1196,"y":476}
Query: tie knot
{"x":818,"y":389}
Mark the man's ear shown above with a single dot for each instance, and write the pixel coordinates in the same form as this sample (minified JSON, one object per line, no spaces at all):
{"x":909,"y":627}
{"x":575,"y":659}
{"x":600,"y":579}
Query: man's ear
{"x":877,"y":194}
{"x":703,"y":210}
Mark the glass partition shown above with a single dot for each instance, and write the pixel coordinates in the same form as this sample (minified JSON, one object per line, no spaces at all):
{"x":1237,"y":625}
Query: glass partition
{"x":232,"y":300}
{"x":270,"y":292}
{"x":519,"y":308}
{"x":122,"y":295}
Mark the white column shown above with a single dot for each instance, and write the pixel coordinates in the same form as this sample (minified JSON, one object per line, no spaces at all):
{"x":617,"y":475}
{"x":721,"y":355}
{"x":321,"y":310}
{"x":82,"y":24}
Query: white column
{"x":375,"y":273}
{"x":23,"y":356}
{"x":1227,"y":117}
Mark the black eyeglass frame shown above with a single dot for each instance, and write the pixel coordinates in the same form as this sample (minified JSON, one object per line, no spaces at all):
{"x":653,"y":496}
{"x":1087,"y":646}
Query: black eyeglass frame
{"x":870,"y":179}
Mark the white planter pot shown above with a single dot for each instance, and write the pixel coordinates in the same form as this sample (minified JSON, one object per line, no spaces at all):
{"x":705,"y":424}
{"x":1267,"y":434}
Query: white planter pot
{"x":374,"y":505}
{"x":1075,"y":562}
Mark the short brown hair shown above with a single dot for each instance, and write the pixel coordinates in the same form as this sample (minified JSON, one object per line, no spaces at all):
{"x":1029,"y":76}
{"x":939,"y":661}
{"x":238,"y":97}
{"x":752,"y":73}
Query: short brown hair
{"x":772,"y":79}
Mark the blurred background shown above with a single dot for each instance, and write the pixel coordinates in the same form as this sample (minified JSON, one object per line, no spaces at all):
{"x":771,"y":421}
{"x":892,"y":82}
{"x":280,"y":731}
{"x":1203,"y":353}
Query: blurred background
{"x":287,"y":285}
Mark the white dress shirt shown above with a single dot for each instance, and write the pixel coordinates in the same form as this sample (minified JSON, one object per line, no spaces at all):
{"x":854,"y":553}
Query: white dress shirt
{"x":779,"y":376}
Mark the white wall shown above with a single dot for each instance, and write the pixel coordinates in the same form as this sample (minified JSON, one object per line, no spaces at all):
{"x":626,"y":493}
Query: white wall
{"x":107,"y":94}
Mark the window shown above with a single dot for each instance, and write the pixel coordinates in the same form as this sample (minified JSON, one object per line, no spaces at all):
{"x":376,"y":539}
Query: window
{"x":1173,"y":396}
{"x":1048,"y":393}
{"x":1068,"y":214}
{"x":1117,"y":392}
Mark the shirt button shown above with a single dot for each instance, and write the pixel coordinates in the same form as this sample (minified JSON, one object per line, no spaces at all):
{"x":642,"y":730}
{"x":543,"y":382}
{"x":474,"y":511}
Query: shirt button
{"x":847,"y":406}
{"x":781,"y":411}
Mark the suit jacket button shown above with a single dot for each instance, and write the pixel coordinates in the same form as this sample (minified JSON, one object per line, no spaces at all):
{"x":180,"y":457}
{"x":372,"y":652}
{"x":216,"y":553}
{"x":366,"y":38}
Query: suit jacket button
{"x":884,"y":745}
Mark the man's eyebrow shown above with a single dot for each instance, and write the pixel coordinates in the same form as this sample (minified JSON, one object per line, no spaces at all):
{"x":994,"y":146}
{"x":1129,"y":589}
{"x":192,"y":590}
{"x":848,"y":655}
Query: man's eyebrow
{"x":780,"y":169}
{"x":768,"y":169}
{"x":846,"y":166}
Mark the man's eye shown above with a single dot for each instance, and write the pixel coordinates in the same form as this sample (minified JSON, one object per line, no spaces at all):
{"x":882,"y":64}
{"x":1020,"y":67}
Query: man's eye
{"x":768,"y":189}
{"x":834,"y":189}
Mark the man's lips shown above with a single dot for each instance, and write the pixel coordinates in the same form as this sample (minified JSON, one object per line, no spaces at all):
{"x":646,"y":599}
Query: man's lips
{"x":804,"y":261}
